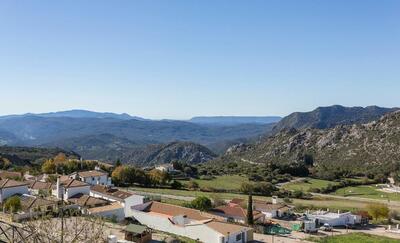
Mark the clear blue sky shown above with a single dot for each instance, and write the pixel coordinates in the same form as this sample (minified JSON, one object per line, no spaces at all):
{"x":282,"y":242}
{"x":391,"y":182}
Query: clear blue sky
{"x":177,"y":59}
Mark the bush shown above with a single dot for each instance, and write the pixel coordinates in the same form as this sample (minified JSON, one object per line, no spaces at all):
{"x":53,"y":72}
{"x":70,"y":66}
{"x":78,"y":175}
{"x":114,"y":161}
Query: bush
{"x":176,"y":184}
{"x":192,"y":185}
{"x":13,"y":204}
{"x":202,"y":203}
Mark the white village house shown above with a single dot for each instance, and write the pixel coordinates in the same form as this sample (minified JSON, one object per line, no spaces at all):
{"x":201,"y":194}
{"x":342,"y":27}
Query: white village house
{"x":165,"y":167}
{"x":92,"y":177}
{"x":70,"y":187}
{"x":190,"y":223}
{"x":333,"y":219}
{"x":10,"y":188}
{"x":124,"y":198}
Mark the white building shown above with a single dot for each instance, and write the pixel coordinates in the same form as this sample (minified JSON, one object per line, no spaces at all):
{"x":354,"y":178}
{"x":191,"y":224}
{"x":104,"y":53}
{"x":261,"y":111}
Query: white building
{"x":165,"y":167}
{"x":92,"y":177}
{"x":68,"y":188}
{"x":333,"y":219}
{"x":10,"y":188}
{"x":190,"y":223}
{"x":124,"y":198}
{"x":112,"y":211}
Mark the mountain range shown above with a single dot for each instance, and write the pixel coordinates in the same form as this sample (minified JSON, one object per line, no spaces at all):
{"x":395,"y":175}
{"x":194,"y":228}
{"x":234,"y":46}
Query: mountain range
{"x":357,"y":149}
{"x":110,"y":136}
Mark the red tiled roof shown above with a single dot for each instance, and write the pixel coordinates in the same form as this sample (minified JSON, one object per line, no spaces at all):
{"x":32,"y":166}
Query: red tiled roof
{"x":172,"y":210}
{"x":113,"y":192}
{"x":39,"y":185}
{"x":6,"y":183}
{"x":91,"y":173}
{"x":86,"y":200}
{"x":73,"y":183}
{"x":233,"y":211}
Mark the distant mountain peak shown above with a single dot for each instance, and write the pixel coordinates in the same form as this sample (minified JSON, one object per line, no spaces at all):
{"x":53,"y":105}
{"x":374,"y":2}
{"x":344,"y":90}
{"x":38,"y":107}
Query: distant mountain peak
{"x":331,"y":116}
{"x":235,"y":120}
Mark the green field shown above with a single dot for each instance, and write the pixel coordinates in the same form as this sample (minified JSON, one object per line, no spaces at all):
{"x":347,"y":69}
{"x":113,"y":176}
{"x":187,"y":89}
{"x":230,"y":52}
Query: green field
{"x":317,"y":202}
{"x":226,"y":182}
{"x":310,"y":183}
{"x":355,"y":238}
{"x":367,"y":191}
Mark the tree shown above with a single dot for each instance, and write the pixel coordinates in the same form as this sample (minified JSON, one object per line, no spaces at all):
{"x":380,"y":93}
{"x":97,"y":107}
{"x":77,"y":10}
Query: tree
{"x":117,"y":175}
{"x":247,"y":188}
{"x":118,"y":163}
{"x":158,"y":177}
{"x":176,"y":184}
{"x":202,"y":203}
{"x":49,"y":167}
{"x":60,"y":158}
{"x":192,"y":185}
{"x":378,"y":211}
{"x":250,"y":216}
{"x":13,"y":204}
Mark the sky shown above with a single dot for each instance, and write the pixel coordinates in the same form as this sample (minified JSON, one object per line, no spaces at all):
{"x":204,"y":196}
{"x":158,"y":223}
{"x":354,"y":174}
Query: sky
{"x":182,"y":58}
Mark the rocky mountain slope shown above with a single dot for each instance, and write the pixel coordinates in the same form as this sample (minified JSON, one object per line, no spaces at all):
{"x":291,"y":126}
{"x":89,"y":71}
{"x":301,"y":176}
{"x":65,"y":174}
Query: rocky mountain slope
{"x":22,"y":156}
{"x":343,"y":150}
{"x":186,"y":152}
{"x":331,"y":116}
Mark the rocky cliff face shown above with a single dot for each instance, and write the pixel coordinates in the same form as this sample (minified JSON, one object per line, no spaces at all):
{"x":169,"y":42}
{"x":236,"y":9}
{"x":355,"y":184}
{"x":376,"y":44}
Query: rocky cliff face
{"x":357,"y":148}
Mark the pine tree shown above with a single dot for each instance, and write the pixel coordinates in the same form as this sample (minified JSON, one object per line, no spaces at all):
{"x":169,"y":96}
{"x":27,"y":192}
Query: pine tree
{"x":250,"y":218}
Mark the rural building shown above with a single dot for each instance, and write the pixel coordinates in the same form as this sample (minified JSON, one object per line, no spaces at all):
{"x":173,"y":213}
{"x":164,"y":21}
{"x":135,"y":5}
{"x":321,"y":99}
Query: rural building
{"x":235,"y":213}
{"x":10,"y":187}
{"x":137,"y":233}
{"x":111,"y":211}
{"x":126,"y":199}
{"x":5,"y":174}
{"x":272,"y":209}
{"x":333,"y":219}
{"x":92,"y":177}
{"x":39,"y":186}
{"x":70,"y":187}
{"x":85,"y":201}
{"x":165,"y":167}
{"x":189,"y":223}
{"x":32,"y":206}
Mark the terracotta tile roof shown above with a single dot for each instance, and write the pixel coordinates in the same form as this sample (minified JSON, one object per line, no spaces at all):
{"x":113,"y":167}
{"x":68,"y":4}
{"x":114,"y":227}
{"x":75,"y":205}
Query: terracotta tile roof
{"x":39,"y":185}
{"x":73,"y":183}
{"x":225,"y":228}
{"x":6,"y":183}
{"x":28,"y":202}
{"x":92,"y":173}
{"x":112,"y":192}
{"x":270,"y":207}
{"x":237,"y":201}
{"x":172,"y":210}
{"x":87,"y":201}
{"x":4,"y":174}
{"x":106,"y":208}
{"x":234,"y":211}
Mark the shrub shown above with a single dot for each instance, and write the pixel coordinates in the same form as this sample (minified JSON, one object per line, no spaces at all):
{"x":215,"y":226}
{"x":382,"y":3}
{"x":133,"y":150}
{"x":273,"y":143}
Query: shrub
{"x":13,"y":204}
{"x":202,"y":203}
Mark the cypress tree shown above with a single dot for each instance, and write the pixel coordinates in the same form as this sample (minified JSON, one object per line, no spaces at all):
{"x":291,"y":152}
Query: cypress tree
{"x":250,"y":217}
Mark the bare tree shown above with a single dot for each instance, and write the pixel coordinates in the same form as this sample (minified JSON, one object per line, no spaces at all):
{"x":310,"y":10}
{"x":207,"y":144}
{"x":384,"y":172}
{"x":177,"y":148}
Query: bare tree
{"x":76,"y":229}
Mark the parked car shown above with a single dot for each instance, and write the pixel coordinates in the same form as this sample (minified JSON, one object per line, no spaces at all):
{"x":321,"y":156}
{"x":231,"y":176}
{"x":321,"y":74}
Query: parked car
{"x":326,"y":227}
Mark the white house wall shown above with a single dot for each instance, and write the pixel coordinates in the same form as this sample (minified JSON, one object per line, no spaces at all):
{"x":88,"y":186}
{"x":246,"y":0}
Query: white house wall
{"x":200,"y":231}
{"x":10,"y":191}
{"x":75,"y":190}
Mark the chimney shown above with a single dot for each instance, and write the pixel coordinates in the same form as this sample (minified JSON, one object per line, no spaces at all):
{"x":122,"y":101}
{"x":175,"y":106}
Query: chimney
{"x":97,"y":167}
{"x":58,"y":187}
{"x":274,"y":199}
{"x":338,"y":212}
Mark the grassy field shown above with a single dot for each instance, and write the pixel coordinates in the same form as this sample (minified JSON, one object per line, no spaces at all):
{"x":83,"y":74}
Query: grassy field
{"x":317,"y":202}
{"x":310,"y":183}
{"x":355,"y":238}
{"x":226,"y":182}
{"x":369,"y":191}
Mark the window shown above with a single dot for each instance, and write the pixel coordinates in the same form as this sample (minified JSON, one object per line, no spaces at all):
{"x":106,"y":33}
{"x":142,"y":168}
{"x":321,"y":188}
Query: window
{"x":238,"y":237}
